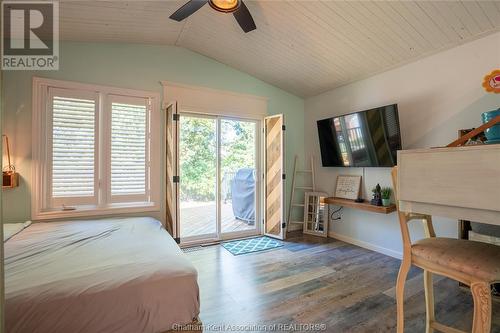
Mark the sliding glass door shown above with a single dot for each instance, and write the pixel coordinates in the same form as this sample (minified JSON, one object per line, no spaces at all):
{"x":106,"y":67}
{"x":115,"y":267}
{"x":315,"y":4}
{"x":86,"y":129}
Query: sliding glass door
{"x":198,"y":176}
{"x":238,"y":175}
{"x":219,"y":187}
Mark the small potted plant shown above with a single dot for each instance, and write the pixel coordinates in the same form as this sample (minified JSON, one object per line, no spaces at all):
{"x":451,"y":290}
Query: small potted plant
{"x":386,"y":196}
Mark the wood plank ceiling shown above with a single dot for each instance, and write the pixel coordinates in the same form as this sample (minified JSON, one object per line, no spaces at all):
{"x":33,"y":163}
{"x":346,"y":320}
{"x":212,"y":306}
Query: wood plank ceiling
{"x":304,"y":47}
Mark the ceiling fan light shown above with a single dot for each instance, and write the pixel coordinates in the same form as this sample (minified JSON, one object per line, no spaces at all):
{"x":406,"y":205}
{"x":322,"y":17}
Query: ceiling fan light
{"x":225,"y":6}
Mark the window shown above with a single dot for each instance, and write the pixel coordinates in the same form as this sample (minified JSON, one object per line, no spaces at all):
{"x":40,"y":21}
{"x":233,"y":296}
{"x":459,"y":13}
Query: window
{"x":128,"y":149}
{"x":95,"y":150}
{"x":73,"y":147}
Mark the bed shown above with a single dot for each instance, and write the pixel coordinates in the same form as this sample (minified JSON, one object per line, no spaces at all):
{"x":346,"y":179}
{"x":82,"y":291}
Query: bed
{"x":112,"y":275}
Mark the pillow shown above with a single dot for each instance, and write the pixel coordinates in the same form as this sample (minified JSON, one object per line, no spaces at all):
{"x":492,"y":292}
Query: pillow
{"x":11,"y":229}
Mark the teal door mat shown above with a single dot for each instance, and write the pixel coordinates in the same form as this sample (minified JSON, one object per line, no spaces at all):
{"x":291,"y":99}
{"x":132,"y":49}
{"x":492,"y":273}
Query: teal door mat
{"x":250,"y":245}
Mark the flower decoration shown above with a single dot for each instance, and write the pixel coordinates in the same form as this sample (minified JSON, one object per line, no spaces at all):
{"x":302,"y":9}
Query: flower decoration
{"x":491,"y":82}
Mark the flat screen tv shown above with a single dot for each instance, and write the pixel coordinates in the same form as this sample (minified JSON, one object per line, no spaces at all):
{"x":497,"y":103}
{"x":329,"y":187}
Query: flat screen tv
{"x":369,"y":138}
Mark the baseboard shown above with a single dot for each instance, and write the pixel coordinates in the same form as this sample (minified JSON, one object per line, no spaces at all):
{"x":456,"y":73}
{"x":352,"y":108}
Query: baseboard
{"x":366,"y":245}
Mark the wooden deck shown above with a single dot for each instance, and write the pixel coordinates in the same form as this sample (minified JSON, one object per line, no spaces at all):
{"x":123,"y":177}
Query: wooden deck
{"x":200,"y":220}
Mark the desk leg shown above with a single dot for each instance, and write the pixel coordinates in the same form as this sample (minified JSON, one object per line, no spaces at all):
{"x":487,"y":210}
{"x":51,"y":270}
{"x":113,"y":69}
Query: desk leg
{"x":429,"y":301}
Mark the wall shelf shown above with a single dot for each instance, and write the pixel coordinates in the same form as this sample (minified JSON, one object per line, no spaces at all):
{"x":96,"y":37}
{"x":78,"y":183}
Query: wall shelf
{"x":361,"y":205}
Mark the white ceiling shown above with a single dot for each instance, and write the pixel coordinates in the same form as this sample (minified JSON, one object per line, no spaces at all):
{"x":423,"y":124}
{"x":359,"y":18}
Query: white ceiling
{"x":304,"y":47}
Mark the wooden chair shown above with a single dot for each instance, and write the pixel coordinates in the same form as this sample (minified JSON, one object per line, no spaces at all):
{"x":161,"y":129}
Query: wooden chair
{"x":472,"y":263}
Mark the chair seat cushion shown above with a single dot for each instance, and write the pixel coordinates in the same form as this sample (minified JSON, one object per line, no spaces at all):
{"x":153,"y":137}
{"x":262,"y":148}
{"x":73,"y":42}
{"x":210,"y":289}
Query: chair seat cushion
{"x":477,"y":259}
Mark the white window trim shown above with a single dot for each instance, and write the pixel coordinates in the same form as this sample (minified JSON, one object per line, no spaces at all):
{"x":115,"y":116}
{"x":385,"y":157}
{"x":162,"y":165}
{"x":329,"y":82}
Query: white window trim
{"x":205,"y":100}
{"x":40,"y":134}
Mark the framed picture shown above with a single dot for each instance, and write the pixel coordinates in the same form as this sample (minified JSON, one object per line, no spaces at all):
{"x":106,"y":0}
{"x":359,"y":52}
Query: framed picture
{"x":348,"y":187}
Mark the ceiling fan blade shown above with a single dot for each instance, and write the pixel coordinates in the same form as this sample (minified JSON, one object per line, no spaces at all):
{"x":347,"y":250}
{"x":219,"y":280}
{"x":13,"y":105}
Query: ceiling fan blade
{"x":244,"y":18}
{"x":188,"y":9}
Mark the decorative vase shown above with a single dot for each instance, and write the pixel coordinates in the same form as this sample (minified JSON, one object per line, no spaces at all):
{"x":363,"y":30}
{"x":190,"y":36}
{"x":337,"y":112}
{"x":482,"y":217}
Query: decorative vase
{"x":492,"y":133}
{"x":386,"y":202}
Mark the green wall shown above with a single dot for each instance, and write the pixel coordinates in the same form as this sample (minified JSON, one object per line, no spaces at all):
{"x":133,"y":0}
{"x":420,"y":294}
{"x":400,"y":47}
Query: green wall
{"x":132,"y":66}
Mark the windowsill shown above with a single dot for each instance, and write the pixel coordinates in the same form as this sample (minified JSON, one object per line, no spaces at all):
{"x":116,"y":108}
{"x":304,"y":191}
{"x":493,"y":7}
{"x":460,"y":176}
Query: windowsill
{"x":93,"y":211}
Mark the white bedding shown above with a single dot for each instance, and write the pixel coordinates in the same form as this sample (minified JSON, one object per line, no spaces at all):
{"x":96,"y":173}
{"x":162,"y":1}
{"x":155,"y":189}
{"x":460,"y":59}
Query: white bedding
{"x":11,"y":229}
{"x":113,"y":275}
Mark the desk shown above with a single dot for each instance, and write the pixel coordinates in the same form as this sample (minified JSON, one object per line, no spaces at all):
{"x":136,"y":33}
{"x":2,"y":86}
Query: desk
{"x":460,"y":182}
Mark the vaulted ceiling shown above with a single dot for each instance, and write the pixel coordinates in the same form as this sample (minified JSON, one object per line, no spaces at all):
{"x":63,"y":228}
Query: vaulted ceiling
{"x":304,"y":47}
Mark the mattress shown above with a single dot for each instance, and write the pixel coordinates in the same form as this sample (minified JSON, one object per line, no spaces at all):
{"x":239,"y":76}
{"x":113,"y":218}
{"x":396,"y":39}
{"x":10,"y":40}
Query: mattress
{"x":112,"y":275}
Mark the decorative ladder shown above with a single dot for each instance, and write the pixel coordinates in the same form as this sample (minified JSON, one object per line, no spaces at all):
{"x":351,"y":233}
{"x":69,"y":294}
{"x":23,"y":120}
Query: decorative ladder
{"x":302,"y":188}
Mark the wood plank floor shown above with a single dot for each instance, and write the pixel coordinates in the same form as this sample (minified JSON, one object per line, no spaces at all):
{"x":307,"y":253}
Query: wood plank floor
{"x":338,"y":286}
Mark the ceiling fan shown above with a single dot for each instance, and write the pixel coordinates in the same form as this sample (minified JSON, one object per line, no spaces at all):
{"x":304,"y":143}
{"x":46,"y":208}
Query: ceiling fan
{"x":237,"y":7}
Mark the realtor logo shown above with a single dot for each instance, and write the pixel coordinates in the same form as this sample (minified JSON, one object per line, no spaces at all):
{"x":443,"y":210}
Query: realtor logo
{"x":30,"y":35}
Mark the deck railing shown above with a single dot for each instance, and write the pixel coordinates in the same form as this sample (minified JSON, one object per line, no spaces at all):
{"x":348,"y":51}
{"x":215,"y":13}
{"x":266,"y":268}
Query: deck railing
{"x":227,"y":180}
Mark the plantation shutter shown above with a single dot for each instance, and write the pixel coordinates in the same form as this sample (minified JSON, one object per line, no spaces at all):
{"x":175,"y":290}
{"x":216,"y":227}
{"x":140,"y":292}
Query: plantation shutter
{"x":129,"y":158}
{"x":73,"y":150}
